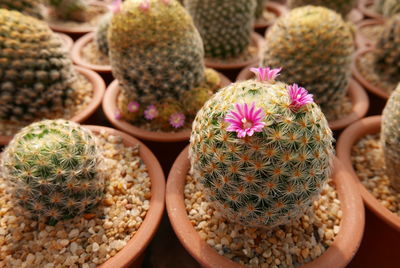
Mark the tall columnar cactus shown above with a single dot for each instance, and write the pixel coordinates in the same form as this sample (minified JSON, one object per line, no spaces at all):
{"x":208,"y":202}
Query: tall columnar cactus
{"x":260,"y":8}
{"x":68,"y":9}
{"x":262,"y":150}
{"x":390,"y":138}
{"x":224,"y":25}
{"x":314,"y":46}
{"x":390,"y":8}
{"x":387,"y":53}
{"x":101,"y":34}
{"x":28,"y":7}
{"x":53,"y":167}
{"x":341,"y":6}
{"x":35,"y":70}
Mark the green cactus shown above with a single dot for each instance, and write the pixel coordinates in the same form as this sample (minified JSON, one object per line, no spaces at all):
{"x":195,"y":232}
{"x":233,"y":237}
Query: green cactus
{"x":314,"y":46}
{"x":100,"y":35}
{"x":387,"y":52}
{"x":53,"y":167}
{"x":224,"y":25}
{"x":341,"y":6}
{"x":268,"y":177}
{"x":36,"y":73}
{"x":390,"y":137}
{"x":28,"y":7}
{"x":260,"y":8}
{"x":390,"y":8}
{"x":68,"y":9}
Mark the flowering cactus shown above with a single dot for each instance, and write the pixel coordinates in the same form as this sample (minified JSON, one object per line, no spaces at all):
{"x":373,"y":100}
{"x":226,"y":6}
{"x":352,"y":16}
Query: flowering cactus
{"x":262,"y":150}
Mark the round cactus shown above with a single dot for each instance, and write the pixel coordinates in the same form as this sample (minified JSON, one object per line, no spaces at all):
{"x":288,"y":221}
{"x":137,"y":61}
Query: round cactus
{"x":28,"y":7}
{"x":260,"y":8}
{"x":224,"y":25}
{"x":314,"y":46}
{"x":390,"y":8}
{"x":36,"y":73}
{"x":52,"y":166}
{"x":100,"y":35}
{"x":341,"y":6}
{"x":262,"y":150}
{"x":68,"y":9}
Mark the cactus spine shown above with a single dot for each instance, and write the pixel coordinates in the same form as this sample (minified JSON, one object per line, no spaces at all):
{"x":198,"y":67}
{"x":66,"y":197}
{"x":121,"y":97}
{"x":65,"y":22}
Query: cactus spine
{"x":341,"y":6}
{"x":52,"y":166}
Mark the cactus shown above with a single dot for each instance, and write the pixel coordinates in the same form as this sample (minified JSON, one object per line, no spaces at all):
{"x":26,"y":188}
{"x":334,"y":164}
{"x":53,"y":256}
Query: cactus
{"x":314,"y":46}
{"x":378,"y":6}
{"x":35,"y":70}
{"x":156,"y":54}
{"x":390,"y":8}
{"x":28,"y":7}
{"x":68,"y":9}
{"x":224,"y":25}
{"x":387,"y":53}
{"x":260,"y":8}
{"x":100,"y":35}
{"x":262,"y":151}
{"x":341,"y":6}
{"x":53,"y":168}
{"x":390,"y":136}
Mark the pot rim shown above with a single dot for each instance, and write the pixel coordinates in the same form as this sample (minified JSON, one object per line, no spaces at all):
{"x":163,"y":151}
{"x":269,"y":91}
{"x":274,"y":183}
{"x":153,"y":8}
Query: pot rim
{"x":338,"y":254}
{"x":67,"y":41}
{"x":362,"y":41}
{"x":110,"y":107}
{"x":362,"y":6}
{"x":99,"y":88}
{"x":349,"y":137}
{"x":358,"y":96}
{"x":274,"y":7}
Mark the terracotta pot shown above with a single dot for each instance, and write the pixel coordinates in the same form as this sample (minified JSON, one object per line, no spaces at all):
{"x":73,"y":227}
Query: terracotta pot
{"x":110,"y":107}
{"x":67,"y":41}
{"x":277,"y":9}
{"x":338,"y":255}
{"x":98,"y":92}
{"x":361,"y":40}
{"x":349,"y":137}
{"x":357,"y":95}
{"x":79,"y":60}
{"x":363,"y":6}
{"x":355,"y":16}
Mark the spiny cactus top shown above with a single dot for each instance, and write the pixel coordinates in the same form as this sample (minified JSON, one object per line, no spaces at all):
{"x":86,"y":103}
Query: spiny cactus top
{"x":260,"y":8}
{"x":390,"y":138}
{"x":52,"y":166}
{"x":314,"y":46}
{"x":224,"y":25}
{"x":387,"y":53}
{"x":262,"y":150}
{"x":101,"y":34}
{"x":68,"y":9}
{"x":341,"y":6}
{"x":390,"y":8}
{"x":28,"y":7}
{"x":35,"y":70}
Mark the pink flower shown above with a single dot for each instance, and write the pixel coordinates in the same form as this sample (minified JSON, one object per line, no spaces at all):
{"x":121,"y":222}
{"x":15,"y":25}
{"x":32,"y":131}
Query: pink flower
{"x":117,"y":115}
{"x":167,"y":2}
{"x":265,"y":73}
{"x":145,"y":5}
{"x":245,"y":120}
{"x":177,"y":120}
{"x":299,"y":96}
{"x":115,"y":7}
{"x":151,"y":112}
{"x":133,"y":106}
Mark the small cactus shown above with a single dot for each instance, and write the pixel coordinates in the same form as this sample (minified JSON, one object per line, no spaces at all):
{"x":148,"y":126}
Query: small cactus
{"x":52,"y":166}
{"x":27,"y":7}
{"x":314,"y":46}
{"x":260,"y":8}
{"x":262,"y":150}
{"x":100,"y":35}
{"x":343,"y":7}
{"x":224,"y":25}
{"x":68,"y":9}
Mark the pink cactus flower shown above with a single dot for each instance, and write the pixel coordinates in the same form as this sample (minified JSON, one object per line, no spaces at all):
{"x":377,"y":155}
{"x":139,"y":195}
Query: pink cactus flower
{"x":133,"y":106}
{"x":177,"y":120}
{"x":245,"y":120}
{"x":115,"y":7}
{"x":151,"y":112}
{"x":144,"y":5}
{"x":117,"y":115}
{"x":299,"y":96}
{"x":265,"y":73}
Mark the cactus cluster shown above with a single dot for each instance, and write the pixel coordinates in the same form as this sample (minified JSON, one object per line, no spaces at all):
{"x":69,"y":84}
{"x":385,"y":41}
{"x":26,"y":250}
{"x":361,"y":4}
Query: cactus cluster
{"x":157,"y":54}
{"x":53,"y":168}
{"x":314,"y":46}
{"x":36,"y":73}
{"x":260,"y":8}
{"x":343,"y":7}
{"x":387,"y":52}
{"x":224,"y":25}
{"x":68,"y":9}
{"x":28,"y":7}
{"x":262,"y":150}
{"x":100,"y":35}
{"x":390,"y":8}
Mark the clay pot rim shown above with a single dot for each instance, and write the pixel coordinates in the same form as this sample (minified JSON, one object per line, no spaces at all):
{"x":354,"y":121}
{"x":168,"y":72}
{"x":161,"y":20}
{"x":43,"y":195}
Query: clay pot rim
{"x":110,"y":107}
{"x":258,"y":41}
{"x":364,"y":82}
{"x":362,"y":6}
{"x":274,"y":7}
{"x":361,"y":40}
{"x":79,"y":60}
{"x":359,"y":99}
{"x":99,"y":88}
{"x":67,"y":41}
{"x":80,"y":29}
{"x":355,"y":15}
{"x":350,"y":136}
{"x":338,"y":254}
